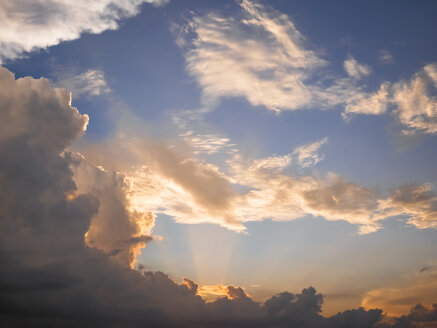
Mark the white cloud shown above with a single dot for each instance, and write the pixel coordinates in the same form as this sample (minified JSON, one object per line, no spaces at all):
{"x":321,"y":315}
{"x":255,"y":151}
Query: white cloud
{"x":259,"y":56}
{"x":416,"y":109}
{"x":354,"y":69}
{"x":49,"y":106}
{"x":307,"y":155}
{"x":417,"y":202}
{"x":91,"y":82}
{"x":30,"y":25}
{"x":369,"y":103}
{"x":207,"y":143}
{"x":414,"y":102}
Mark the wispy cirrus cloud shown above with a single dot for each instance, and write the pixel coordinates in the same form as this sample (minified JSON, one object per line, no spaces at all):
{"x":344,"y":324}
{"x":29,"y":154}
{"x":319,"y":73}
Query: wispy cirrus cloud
{"x":308,"y":155}
{"x":31,"y":25}
{"x":208,"y":143}
{"x":259,"y":55}
{"x":89,"y":83}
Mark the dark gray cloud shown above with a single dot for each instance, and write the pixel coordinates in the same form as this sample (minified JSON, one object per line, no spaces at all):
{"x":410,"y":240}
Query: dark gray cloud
{"x":419,"y":317}
{"x":49,"y":277}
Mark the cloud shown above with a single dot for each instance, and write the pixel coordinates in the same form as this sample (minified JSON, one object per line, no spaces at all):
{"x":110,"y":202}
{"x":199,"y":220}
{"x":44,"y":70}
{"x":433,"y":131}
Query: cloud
{"x":355,"y":69}
{"x":48,"y":276}
{"x":207,"y":143}
{"x":419,"y":316}
{"x":307,"y":155}
{"x":165,"y":180}
{"x":414,"y":102}
{"x":385,"y":57}
{"x":26,"y":26}
{"x":418,"y":202}
{"x":341,"y":199}
{"x":91,"y":83}
{"x":28,"y":105}
{"x":416,"y":109}
{"x":168,"y":179}
{"x":376,"y":103}
{"x":397,"y":298}
{"x":117,"y":229}
{"x":259,"y":55}
{"x":41,"y":123}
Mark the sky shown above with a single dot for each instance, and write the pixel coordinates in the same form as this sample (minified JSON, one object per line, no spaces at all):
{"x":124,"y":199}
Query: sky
{"x":232,"y":163}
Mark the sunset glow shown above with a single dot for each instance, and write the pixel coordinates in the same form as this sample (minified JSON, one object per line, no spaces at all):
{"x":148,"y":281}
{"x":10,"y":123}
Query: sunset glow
{"x":218,"y":163}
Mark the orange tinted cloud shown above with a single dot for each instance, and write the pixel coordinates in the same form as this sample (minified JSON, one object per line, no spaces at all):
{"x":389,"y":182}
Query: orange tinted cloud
{"x":399,"y":298}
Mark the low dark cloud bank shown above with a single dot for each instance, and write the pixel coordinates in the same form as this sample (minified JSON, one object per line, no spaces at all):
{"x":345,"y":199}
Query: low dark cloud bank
{"x":50,"y":276}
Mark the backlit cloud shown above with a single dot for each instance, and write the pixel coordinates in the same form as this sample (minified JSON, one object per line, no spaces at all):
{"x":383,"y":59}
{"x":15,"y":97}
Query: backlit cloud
{"x":417,"y":202}
{"x":166,"y":179}
{"x":396,"y":299}
{"x":117,"y":230}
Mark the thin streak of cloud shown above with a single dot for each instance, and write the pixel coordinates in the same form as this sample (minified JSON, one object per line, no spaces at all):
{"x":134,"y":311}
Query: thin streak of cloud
{"x":386,"y":57}
{"x":266,"y":65}
{"x":89,"y":83}
{"x":307,"y":155}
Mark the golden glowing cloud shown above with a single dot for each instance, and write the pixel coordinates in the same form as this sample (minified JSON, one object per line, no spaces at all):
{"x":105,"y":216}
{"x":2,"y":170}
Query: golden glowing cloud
{"x":398,"y":299}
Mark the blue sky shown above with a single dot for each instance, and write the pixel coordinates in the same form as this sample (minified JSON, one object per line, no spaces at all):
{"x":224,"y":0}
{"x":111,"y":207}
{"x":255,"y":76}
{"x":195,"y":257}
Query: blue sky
{"x":277,"y":144}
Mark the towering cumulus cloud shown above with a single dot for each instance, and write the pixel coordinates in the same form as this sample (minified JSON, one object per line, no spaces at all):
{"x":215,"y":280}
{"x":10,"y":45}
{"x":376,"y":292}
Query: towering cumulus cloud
{"x":28,"y":25}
